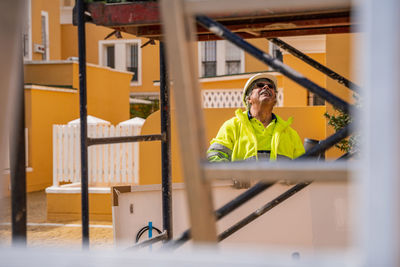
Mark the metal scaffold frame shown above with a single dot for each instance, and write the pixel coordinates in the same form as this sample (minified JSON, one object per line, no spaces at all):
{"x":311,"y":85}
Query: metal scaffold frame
{"x":195,"y":131}
{"x":164,"y":137}
{"x":377,"y":239}
{"x":377,"y":235}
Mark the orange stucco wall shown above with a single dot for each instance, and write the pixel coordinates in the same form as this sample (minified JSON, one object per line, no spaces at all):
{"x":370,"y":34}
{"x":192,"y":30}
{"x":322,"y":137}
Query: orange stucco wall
{"x":108,"y":98}
{"x":308,"y":121}
{"x":45,"y":108}
{"x":339,"y":58}
{"x":67,"y":207}
{"x":53,"y":9}
{"x":294,"y":94}
{"x":94,"y":34}
{"x":252,"y":64}
{"x":49,"y":74}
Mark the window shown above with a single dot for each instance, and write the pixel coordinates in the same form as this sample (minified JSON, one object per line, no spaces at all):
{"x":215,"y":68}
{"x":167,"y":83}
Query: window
{"x":110,"y":55}
{"x":220,"y":58}
{"x":132,"y":58}
{"x":27,"y":32}
{"x":232,"y":59}
{"x":314,"y":100}
{"x":209,"y":58}
{"x":124,"y":55}
{"x":45,"y":35}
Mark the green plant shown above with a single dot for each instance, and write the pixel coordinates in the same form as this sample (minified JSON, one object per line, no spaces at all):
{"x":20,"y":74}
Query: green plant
{"x":338,"y":120}
{"x":143,"y":110}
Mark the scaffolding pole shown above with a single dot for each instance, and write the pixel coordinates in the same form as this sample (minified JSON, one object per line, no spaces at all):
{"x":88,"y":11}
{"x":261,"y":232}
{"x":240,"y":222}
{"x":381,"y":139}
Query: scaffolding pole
{"x":83,"y":121}
{"x":165,"y":145}
{"x":315,"y":64}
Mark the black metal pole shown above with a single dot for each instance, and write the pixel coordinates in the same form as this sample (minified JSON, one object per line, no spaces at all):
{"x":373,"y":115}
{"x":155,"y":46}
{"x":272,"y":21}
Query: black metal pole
{"x":262,"y":210}
{"x":315,"y":64}
{"x":124,"y":139}
{"x":223,"y":32}
{"x":83,"y":115}
{"x":17,"y":168}
{"x":165,"y":145}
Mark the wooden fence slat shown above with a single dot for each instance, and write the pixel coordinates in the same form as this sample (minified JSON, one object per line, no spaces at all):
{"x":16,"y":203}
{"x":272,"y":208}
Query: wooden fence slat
{"x":55,"y":161}
{"x":111,"y":177}
{"x":70,"y":152}
{"x":61,"y":152}
{"x":130,"y":162}
{"x":123,"y":155}
{"x":117,"y":157}
{"x":136,"y":131}
{"x":100,"y":166}
{"x":77,"y":150}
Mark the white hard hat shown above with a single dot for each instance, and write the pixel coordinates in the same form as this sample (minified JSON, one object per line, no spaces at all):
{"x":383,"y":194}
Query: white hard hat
{"x":248,"y":86}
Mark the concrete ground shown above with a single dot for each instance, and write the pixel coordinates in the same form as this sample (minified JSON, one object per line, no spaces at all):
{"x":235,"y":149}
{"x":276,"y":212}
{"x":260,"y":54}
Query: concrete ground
{"x":62,"y":234}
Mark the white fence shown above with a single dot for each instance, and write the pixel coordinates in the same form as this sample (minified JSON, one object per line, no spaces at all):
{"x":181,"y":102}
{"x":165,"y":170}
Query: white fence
{"x":107,"y":164}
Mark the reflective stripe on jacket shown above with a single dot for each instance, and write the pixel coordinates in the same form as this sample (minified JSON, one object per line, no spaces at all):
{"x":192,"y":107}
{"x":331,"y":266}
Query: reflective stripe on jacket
{"x":236,"y":140}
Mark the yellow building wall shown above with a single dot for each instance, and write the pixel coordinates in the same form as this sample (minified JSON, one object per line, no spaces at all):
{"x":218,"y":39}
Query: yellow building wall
{"x":53,"y":9}
{"x":107,"y":94}
{"x":308,"y":121}
{"x":67,"y":207}
{"x":45,"y":108}
{"x":251,"y":63}
{"x":339,"y":48}
{"x":294,"y":94}
{"x":150,"y":53}
{"x":49,"y":74}
{"x":108,"y":99}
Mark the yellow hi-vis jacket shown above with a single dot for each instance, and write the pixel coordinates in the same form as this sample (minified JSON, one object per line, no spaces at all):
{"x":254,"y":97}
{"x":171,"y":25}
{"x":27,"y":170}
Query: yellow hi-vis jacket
{"x":236,"y":140}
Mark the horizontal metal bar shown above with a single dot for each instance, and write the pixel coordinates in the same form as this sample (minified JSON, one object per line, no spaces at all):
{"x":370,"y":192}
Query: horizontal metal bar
{"x":277,"y":65}
{"x":294,"y":171}
{"x":124,"y":139}
{"x":315,"y":64}
{"x":254,"y":215}
{"x":227,"y":208}
{"x":148,"y":242}
{"x":212,"y":6}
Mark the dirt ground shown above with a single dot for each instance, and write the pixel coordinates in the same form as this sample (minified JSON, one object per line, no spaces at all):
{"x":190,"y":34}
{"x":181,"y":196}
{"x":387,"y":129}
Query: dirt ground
{"x":41,"y":233}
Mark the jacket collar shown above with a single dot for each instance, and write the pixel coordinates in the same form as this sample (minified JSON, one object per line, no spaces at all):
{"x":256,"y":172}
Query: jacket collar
{"x":243,"y":116}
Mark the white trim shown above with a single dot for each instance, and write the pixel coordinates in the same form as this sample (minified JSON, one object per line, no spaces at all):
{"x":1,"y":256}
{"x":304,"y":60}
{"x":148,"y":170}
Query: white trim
{"x":220,"y":54}
{"x":50,"y":89}
{"x":227,"y":78}
{"x":28,"y":23}
{"x":157,"y":187}
{"x":232,"y":77}
{"x":27,"y":169}
{"x":39,"y":62}
{"x":120,"y":47}
{"x":76,"y":190}
{"x":46,"y":15}
{"x":66,"y":14}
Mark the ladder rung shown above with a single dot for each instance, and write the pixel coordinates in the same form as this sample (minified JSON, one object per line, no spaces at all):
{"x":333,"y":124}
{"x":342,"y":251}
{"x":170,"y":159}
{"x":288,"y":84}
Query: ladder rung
{"x":219,"y":6}
{"x":295,"y":171}
{"x":124,"y":139}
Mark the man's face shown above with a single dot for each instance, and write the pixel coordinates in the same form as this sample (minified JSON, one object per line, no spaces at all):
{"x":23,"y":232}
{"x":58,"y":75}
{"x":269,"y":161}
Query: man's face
{"x":262,"y":94}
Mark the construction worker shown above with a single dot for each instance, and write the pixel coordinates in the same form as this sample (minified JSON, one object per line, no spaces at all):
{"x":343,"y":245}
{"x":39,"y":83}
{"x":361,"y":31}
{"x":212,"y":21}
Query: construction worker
{"x":257,"y":133}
